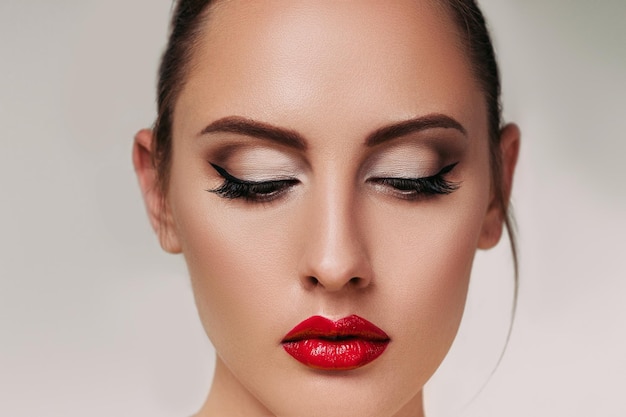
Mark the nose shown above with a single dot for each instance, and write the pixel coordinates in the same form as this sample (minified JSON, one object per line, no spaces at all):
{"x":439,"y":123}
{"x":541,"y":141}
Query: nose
{"x":335,"y":252}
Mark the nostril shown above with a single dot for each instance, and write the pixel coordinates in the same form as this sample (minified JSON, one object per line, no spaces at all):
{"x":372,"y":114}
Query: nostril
{"x":313,"y":281}
{"x":358,"y":282}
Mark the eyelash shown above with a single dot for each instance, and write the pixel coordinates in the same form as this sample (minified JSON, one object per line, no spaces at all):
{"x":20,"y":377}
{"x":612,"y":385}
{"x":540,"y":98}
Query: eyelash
{"x":255,"y":191}
{"x":264,"y":191}
{"x":415,"y":188}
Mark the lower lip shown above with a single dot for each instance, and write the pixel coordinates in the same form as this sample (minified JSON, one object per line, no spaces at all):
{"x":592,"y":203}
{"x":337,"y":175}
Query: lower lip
{"x":339,"y":355}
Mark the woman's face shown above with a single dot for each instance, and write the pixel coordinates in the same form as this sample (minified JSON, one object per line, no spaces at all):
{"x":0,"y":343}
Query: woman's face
{"x":329,"y":159}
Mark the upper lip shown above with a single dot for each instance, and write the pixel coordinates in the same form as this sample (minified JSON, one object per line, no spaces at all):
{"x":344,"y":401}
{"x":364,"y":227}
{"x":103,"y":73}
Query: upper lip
{"x":318,"y":327}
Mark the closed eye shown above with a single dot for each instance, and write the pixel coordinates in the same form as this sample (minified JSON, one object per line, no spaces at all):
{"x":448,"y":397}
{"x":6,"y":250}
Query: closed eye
{"x":254,"y":191}
{"x":416,"y":188}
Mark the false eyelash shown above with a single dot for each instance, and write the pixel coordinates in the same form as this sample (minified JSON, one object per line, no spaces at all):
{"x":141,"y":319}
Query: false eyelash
{"x":234,"y":188}
{"x":414,"y":188}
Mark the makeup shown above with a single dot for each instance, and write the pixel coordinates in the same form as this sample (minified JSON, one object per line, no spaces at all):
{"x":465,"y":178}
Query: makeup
{"x":254,"y":191}
{"x":415,"y":188}
{"x":348,"y":343}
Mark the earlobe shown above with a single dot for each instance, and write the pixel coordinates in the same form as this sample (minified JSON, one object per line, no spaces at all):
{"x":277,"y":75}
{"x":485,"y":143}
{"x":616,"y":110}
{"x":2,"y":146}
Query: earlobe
{"x":498,"y":205}
{"x":156,"y":205}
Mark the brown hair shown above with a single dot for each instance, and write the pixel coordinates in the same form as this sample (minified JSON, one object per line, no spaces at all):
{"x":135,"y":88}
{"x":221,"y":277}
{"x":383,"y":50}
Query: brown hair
{"x":187,"y":22}
{"x":477,"y":42}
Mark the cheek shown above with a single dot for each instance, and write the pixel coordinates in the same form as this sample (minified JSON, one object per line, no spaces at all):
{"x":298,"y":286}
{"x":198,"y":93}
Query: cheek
{"x":239,"y":263}
{"x":423,"y":260}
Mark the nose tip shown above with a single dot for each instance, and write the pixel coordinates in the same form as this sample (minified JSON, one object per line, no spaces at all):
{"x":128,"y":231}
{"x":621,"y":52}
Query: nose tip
{"x":331,"y":281}
{"x":335,"y":255}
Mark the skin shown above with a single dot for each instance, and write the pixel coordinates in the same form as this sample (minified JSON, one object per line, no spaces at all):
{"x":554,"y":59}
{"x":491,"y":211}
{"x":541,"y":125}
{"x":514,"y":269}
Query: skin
{"x":336,"y":243}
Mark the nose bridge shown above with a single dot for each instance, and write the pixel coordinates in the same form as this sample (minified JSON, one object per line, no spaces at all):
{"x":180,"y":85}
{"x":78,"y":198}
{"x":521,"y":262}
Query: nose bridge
{"x":335,"y":255}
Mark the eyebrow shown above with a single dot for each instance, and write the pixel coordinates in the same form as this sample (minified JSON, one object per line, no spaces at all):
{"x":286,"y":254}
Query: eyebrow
{"x":291,"y":138}
{"x":248,"y":127}
{"x":418,"y":124}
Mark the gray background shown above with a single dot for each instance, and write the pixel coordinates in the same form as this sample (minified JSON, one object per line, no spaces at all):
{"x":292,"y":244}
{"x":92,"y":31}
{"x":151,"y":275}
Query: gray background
{"x":96,"y":320}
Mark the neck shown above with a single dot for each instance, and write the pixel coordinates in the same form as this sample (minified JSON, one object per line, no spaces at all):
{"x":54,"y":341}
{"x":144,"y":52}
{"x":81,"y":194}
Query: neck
{"x":228,"y":398}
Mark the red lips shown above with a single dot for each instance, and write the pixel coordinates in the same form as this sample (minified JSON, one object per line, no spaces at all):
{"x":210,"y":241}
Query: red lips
{"x":345,"y":344}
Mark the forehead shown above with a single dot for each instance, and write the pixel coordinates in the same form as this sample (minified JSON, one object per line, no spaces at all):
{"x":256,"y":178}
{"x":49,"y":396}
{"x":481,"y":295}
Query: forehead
{"x":323,"y":64}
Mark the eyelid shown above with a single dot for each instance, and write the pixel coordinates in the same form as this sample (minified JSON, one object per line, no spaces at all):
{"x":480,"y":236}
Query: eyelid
{"x":228,"y":176}
{"x":443,"y":171}
{"x":257,"y":160}
{"x":233,"y":188}
{"x":417,"y":188}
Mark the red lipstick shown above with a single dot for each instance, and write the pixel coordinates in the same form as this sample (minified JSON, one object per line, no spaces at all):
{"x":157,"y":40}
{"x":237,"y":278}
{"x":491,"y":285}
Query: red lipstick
{"x":345,"y":344}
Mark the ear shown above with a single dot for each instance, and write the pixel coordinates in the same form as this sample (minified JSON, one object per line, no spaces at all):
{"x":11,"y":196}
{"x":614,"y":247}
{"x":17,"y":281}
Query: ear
{"x":156,"y":205}
{"x":494,"y":218}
